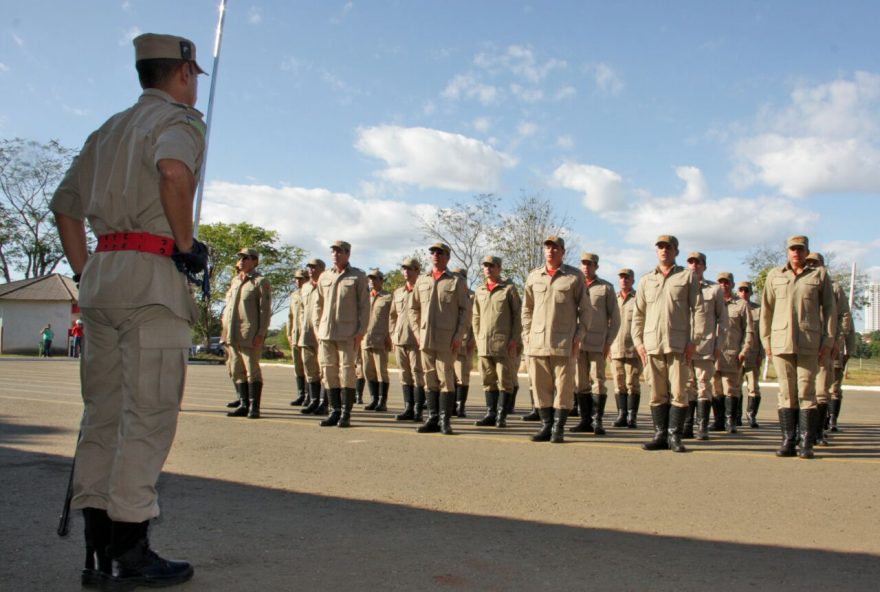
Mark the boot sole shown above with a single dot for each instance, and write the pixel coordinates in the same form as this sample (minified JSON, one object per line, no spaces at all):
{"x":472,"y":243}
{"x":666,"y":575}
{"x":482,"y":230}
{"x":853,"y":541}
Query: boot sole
{"x":123,"y":585}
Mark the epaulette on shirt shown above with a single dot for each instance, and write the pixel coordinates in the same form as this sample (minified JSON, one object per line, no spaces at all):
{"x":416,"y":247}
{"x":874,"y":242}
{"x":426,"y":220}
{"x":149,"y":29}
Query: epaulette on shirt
{"x":196,"y":123}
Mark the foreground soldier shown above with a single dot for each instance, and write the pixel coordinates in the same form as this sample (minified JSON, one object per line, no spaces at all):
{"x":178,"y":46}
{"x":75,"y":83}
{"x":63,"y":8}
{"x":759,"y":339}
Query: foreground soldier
{"x":343,"y":307}
{"x":294,"y":321}
{"x":406,"y":347}
{"x":555,"y":316}
{"x":377,"y":343}
{"x":308,"y":341}
{"x":626,"y":362}
{"x":497,"y":329}
{"x":754,"y":359}
{"x":464,"y":361}
{"x":136,"y":307}
{"x":734,"y":350}
{"x":602,"y":328}
{"x":666,"y":301}
{"x":438,"y":315}
{"x":798,"y":324}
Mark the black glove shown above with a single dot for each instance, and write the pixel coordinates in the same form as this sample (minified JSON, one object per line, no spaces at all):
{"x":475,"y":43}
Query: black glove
{"x":193,"y":262}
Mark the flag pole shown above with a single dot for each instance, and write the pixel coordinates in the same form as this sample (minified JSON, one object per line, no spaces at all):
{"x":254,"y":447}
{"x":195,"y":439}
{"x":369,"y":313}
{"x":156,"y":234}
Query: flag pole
{"x":218,"y":39}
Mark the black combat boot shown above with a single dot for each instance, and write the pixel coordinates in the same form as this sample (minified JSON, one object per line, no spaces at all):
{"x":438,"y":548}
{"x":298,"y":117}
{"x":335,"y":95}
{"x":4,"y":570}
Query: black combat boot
{"x":752,"y":411}
{"x":314,"y":398}
{"x":557,"y":433}
{"x":323,"y":405}
{"x":598,"y":413}
{"x":788,"y":425}
{"x":511,"y":399}
{"x":301,"y":391}
{"x":491,"y":410}
{"x":730,"y":415}
{"x":543,"y":435}
{"x":739,"y":411}
{"x":359,"y":385}
{"x":585,"y":421}
{"x":432,"y":424}
{"x":632,"y":410}
{"x":237,"y":401}
{"x":503,"y":409}
{"x":244,"y":395}
{"x":98,"y":527}
{"x":347,"y":396}
{"x":687,"y":431}
{"x":335,"y":395}
{"x":575,"y":407}
{"x":447,"y":411}
{"x":808,"y":421}
{"x":833,"y":414}
{"x":676,"y":423}
{"x":461,"y":396}
{"x":533,"y":415}
{"x":660,"y":417}
{"x":822,"y":412}
{"x":256,"y":389}
{"x":134,"y":564}
{"x":620,"y":400}
{"x":419,"y":406}
{"x":718,"y":410}
{"x":373,"y":385}
{"x":382,"y":405}
{"x":408,"y":403}
{"x":704,"y":407}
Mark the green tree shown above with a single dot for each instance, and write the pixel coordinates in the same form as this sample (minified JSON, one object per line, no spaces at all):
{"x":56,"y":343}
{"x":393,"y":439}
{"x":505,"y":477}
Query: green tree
{"x":278,"y":262}
{"x":760,"y":260}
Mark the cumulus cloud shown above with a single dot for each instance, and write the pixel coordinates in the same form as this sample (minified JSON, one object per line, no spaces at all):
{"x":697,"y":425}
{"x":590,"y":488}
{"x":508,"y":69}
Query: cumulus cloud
{"x":430,"y":158}
{"x":607,"y":80}
{"x":824,"y":140}
{"x":602,"y":188}
{"x":847,"y":252}
{"x":696,"y":187}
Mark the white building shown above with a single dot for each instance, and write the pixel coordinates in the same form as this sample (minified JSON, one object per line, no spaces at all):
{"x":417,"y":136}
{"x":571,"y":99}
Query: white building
{"x":26,"y":306}
{"x":872,"y":310}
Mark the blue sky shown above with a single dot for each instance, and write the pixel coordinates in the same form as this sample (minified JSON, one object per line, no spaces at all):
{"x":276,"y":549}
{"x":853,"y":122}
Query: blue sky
{"x":727,"y":124}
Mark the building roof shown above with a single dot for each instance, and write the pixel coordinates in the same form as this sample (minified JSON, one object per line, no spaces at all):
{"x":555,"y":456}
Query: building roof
{"x":48,"y":287}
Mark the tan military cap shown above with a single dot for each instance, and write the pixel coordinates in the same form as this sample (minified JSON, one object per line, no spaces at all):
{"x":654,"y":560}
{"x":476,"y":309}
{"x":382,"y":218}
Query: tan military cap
{"x":668,"y":239}
{"x":412,"y":263}
{"x":798,"y":241}
{"x":626,"y":271}
{"x":151,"y":46}
{"x":341,"y":245}
{"x":816,"y":257}
{"x":440,"y":247}
{"x":744,"y":286}
{"x":492,"y":260}
{"x":460,"y":271}
{"x":585,"y":256}
{"x":375,"y":273}
{"x":299,"y":274}
{"x":555,"y":240}
{"x":725,"y":275}
{"x":316,"y":263}
{"x":252,"y":253}
{"x":697,"y":255}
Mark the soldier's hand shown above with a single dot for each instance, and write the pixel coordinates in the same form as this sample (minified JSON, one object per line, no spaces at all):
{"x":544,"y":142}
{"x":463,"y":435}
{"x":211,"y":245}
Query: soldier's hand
{"x":456,"y":345}
{"x":643,"y":353}
{"x":823,"y":351}
{"x":689,"y":351}
{"x":195,"y":261}
{"x":258,"y":342}
{"x":512,"y":346}
{"x":575,"y":347}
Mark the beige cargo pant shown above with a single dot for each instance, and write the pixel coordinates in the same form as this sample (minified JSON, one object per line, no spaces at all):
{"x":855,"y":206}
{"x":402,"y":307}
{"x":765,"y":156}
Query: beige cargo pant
{"x":498,"y":373}
{"x":409,"y":360}
{"x":338,"y":359}
{"x":590,"y":373}
{"x":626,"y":374}
{"x":796,"y":375}
{"x":132,"y":373}
{"x":439,"y":370}
{"x":552,"y":379}
{"x":667,"y":374}
{"x":375,"y":362}
{"x":245,"y":363}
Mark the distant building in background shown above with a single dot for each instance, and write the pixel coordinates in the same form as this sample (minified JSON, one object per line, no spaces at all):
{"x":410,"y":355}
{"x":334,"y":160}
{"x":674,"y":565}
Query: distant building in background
{"x":872,"y":310}
{"x":26,"y":306}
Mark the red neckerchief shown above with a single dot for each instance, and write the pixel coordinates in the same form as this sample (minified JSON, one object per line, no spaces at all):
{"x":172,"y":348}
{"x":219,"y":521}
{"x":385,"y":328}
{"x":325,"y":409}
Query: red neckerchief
{"x":374,"y":293}
{"x":407,"y":287}
{"x":589,"y":281}
{"x":491,"y":285}
{"x":551,"y":272}
{"x":438,"y":274}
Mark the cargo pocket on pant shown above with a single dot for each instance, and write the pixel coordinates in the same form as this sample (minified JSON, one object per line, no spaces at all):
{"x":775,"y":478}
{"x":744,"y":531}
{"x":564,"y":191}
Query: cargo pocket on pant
{"x":162,"y":365}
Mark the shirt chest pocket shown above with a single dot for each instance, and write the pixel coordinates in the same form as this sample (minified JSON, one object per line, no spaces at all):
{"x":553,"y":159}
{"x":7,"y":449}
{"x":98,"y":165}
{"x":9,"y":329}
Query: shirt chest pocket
{"x":780,"y":288}
{"x":651,"y":290}
{"x":446,"y":293}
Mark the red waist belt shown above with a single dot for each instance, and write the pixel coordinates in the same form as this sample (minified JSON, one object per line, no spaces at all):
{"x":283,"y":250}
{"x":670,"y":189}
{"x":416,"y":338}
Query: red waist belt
{"x":136,"y":241}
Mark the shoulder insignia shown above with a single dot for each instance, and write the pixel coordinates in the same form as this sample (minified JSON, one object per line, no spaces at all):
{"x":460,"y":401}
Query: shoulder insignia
{"x":196,"y":123}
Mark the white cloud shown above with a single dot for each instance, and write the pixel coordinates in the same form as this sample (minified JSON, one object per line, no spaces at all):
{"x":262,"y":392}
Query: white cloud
{"x":74,"y":110}
{"x":527,"y":128}
{"x":526,"y":95}
{"x":466,"y":86}
{"x":482,"y":124}
{"x":4,"y":67}
{"x":607,"y":80}
{"x":565,"y":92}
{"x":520,"y":61}
{"x":696,"y":188}
{"x":824,"y":140}
{"x":847,"y":252}
{"x":432,"y":158}
{"x":128,"y":35}
{"x":255,"y":15}
{"x":18,"y":40}
{"x":602,"y":188}
{"x":565,"y":142}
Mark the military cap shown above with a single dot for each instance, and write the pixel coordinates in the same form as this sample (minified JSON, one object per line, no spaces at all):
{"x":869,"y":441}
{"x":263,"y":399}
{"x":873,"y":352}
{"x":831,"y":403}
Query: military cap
{"x":341,"y":245}
{"x":316,"y":263}
{"x":440,"y":247}
{"x":697,"y":255}
{"x":817,"y":257}
{"x":375,"y":273}
{"x":151,"y":46}
{"x":668,"y":239}
{"x":460,"y":271}
{"x":555,"y":240}
{"x":798,"y":241}
{"x":626,"y":271}
{"x":412,"y":263}
{"x":585,"y":256}
{"x":725,"y":275}
{"x":299,"y":274}
{"x":492,"y":260}
{"x":252,"y":253}
{"x":744,"y":286}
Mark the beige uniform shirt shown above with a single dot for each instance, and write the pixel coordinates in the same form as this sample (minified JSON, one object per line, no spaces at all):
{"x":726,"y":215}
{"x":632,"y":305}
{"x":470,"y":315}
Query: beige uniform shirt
{"x":294,"y":316}
{"x":343,"y":305}
{"x":468,"y":332}
{"x":756,"y":351}
{"x":439,"y":310}
{"x":248,"y":309}
{"x":846,"y":334}
{"x":623,"y":347}
{"x":740,"y":334}
{"x":664,"y":311}
{"x":308,"y":334}
{"x":114,"y":184}
{"x":798,"y":312}
{"x":555,"y":311}
{"x":604,"y":316}
{"x":401,"y":333}
{"x":379,"y":325}
{"x":496,"y":320}
{"x":710,"y":322}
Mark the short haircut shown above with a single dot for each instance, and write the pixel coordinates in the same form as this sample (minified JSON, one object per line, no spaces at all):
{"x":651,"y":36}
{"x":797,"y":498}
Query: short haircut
{"x":156,"y":72}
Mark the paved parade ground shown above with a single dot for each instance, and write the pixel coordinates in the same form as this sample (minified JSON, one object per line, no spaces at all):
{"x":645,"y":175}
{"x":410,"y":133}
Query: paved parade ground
{"x":283,"y":504}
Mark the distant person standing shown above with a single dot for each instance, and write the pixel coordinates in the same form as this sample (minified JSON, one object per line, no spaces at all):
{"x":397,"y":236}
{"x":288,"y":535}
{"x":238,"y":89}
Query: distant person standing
{"x":46,"y":337}
{"x":77,"y":334}
{"x":377,"y":343}
{"x":626,"y":362}
{"x":734,"y":351}
{"x":294,"y":323}
{"x":755,"y":358}
{"x":464,"y":361}
{"x":406,"y":346}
